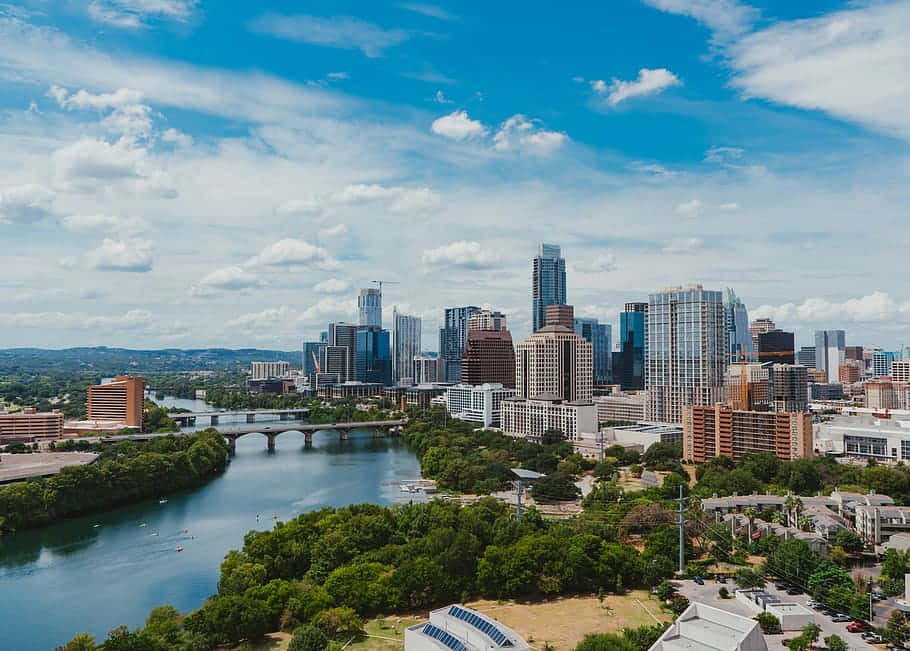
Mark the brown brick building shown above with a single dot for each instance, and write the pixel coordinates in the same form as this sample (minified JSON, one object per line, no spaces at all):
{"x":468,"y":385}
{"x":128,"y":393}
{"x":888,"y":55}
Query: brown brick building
{"x":711,"y":431}
{"x":120,"y":400}
{"x":489,"y":357}
{"x":28,"y":425}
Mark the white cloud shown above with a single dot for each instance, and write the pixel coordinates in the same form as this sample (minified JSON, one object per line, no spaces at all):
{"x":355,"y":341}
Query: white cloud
{"x":458,"y":126}
{"x":441,"y":98}
{"x":338,"y":75}
{"x":723,"y":154}
{"x":91,"y":159}
{"x":427,"y":10}
{"x":294,"y":252}
{"x":123,"y":255}
{"x":520,"y":133}
{"x":683,"y":245}
{"x":130,"y":117}
{"x":467,"y":255}
{"x":25,"y":204}
{"x":729,"y":206}
{"x":598,"y":85}
{"x":177,"y":137}
{"x":725,"y":18}
{"x":851,"y":64}
{"x":654,"y":169}
{"x":332,"y":286}
{"x":691,"y":208}
{"x":117,"y":224}
{"x":333,"y":232}
{"x":132,"y":319}
{"x":399,"y":200}
{"x":647,"y":83}
{"x":343,"y":32}
{"x":603,"y":263}
{"x":227,"y":279}
{"x":134,"y":13}
{"x":874,"y":307}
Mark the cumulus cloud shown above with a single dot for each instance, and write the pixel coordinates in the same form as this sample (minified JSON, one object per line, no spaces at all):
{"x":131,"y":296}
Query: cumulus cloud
{"x":520,"y":133}
{"x":88,"y":159}
{"x":395,"y":199}
{"x":458,"y":126}
{"x":268,"y":318}
{"x":25,"y":204}
{"x":291,"y":251}
{"x":463,"y":254}
{"x":647,"y":83}
{"x":135,"y":13}
{"x":682,"y":245}
{"x":725,"y":18}
{"x":177,"y":137}
{"x":132,"y":319}
{"x":134,"y":255}
{"x":344,"y":32}
{"x":874,"y":307}
{"x":691,"y":208}
{"x":332,"y":286}
{"x":333,"y":232}
{"x":130,"y":117}
{"x":228,"y":279}
{"x":117,"y":224}
{"x":604,"y":262}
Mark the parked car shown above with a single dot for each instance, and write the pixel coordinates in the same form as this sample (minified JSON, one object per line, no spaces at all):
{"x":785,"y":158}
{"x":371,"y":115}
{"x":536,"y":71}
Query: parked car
{"x":781,"y":586}
{"x":858,"y":627}
{"x":794,"y":590}
{"x":699,"y":580}
{"x":812,"y":603}
{"x":720,"y":578}
{"x":841,"y":617}
{"x":873,"y":638}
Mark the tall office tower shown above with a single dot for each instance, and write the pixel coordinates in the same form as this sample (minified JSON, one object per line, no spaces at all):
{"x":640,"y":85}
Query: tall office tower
{"x":882,"y":361}
{"x":405,"y":345}
{"x":373,"y":355}
{"x":759,"y":326}
{"x":633,"y":337}
{"x":554,"y":363}
{"x":807,"y":356}
{"x":829,"y":352}
{"x":486,"y":320}
{"x":426,"y":369}
{"x":687,"y":342}
{"x":336,"y":364}
{"x":789,"y":388}
{"x":563,"y":315}
{"x":776,"y":341}
{"x":739,"y":336}
{"x":344,"y":335}
{"x":548,"y":282}
{"x":312,"y":356}
{"x":600,"y":336}
{"x":369,"y":304}
{"x":453,"y":337}
{"x":120,"y":399}
{"x":489,"y":357}
{"x":853,"y":353}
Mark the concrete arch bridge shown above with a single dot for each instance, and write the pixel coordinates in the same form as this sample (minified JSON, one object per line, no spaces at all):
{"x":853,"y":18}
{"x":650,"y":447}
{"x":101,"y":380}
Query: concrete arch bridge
{"x":379,"y":428}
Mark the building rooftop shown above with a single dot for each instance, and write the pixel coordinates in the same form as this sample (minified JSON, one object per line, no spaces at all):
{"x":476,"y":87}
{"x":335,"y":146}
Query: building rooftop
{"x":704,"y":627}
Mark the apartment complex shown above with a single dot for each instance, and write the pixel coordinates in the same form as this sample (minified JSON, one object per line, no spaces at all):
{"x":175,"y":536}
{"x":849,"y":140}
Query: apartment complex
{"x":629,"y":408}
{"x":29,"y":425}
{"x":711,"y":431}
{"x":531,"y":418}
{"x":900,"y":370}
{"x":120,"y":400}
{"x":478,"y":404}
{"x":266,"y":370}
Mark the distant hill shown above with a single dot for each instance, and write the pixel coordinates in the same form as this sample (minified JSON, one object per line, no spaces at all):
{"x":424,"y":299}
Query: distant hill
{"x":105,"y":360}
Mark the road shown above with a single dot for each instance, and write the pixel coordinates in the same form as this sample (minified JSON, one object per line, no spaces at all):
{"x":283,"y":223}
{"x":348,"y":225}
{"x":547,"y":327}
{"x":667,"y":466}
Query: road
{"x":707,"y":594}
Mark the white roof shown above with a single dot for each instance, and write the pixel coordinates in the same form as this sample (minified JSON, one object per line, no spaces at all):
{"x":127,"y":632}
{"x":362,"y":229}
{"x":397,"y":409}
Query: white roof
{"x":705,"y":627}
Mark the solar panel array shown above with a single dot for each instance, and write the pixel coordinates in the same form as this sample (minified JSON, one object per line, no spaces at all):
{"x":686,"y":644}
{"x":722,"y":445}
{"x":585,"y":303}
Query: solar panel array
{"x":481,"y":625}
{"x":446,"y":638}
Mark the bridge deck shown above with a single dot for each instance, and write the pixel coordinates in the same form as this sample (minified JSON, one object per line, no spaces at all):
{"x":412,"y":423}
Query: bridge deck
{"x":279,"y":428}
{"x":255,"y":412}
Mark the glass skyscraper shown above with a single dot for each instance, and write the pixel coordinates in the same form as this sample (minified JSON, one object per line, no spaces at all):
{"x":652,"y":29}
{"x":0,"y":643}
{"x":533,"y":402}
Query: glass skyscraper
{"x":548,"y":280}
{"x":373,"y":355}
{"x":453,"y":337}
{"x":739,"y":337}
{"x":830,"y":352}
{"x":406,"y":331}
{"x":633,"y":337}
{"x":600,"y":336}
{"x":369,"y":305}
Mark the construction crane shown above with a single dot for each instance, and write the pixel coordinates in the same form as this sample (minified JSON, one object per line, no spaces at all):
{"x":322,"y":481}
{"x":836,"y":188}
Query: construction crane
{"x":386,"y":282}
{"x":742,"y":356}
{"x":315,"y":361}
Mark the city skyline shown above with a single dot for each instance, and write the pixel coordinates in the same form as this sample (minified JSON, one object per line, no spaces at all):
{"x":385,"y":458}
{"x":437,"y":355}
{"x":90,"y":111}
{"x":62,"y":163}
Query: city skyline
{"x":185,"y":196}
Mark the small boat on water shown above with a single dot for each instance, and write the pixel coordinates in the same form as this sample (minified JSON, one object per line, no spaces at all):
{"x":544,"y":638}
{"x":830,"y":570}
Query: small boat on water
{"x":143,"y":525}
{"x":163,"y":500}
{"x":180,"y":549}
{"x":96,"y":526}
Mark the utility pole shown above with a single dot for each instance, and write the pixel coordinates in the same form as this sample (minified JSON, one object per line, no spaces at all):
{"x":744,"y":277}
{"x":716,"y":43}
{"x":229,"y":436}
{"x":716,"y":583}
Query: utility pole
{"x":682,"y":539}
{"x":871,"y":607}
{"x":601,"y":446}
{"x":518,"y":510}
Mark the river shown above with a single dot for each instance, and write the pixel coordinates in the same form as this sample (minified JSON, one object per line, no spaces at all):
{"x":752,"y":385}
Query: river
{"x":97,"y":572}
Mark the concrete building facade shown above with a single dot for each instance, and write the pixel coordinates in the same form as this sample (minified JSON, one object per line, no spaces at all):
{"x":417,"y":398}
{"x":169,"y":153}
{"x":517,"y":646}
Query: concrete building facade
{"x":120,"y":400}
{"x":369,"y":308}
{"x":480,"y":404}
{"x":489,"y":356}
{"x":554,"y":361}
{"x":266,"y":370}
{"x":830,"y":351}
{"x":711,"y":431}
{"x":531,"y":418}
{"x":30,"y":425}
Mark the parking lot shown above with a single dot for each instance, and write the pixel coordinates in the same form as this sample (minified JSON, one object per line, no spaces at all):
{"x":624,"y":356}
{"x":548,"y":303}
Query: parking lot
{"x":707,"y":594}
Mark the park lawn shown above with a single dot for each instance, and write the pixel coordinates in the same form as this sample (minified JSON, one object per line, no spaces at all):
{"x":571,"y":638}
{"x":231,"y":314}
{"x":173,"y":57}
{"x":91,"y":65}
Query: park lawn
{"x":386,"y":634}
{"x":271,"y":642}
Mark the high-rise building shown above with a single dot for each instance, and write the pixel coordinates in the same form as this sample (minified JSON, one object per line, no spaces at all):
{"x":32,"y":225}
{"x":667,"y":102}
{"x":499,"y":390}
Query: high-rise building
{"x":486,"y":320}
{"x":883,"y":393}
{"x":453,"y":337}
{"x":849,"y":372}
{"x":900,"y":370}
{"x":853,"y":352}
{"x":121,"y":400}
{"x":776,"y":341}
{"x":266,"y":370}
{"x":489,"y":358}
{"x":336,"y":364}
{"x":807,"y":356}
{"x":477,"y":403}
{"x":789,"y":388}
{"x":600,"y":336}
{"x":633,"y":337}
{"x":554,"y":362}
{"x":548,"y":282}
{"x":563,"y":315}
{"x":426,"y":369}
{"x":829,"y":352}
{"x":369,"y":305}
{"x":739,"y":336}
{"x":373,"y":355}
{"x":313,"y":353}
{"x":882,"y":361}
{"x":759,"y":326}
{"x":717,"y":430}
{"x":687,"y":343}
{"x":343,"y":335}
{"x":769,"y":387}
{"x":324,"y":336}
{"x":405,"y":345}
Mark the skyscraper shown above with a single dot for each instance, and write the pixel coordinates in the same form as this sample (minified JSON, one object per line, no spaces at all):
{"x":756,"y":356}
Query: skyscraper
{"x":633,"y":337}
{"x":830,"y":352}
{"x":882,"y":361}
{"x":369,"y":304}
{"x":373,"y":355}
{"x":489,"y":357}
{"x":342,"y":336}
{"x":759,"y":326}
{"x":486,"y":320}
{"x":405,"y":345}
{"x":600,"y":336}
{"x":687,"y":341}
{"x":312,"y":355}
{"x":554,"y":363}
{"x":453,"y":337}
{"x":776,"y":341}
{"x":548,"y":282}
{"x":807,"y":356}
{"x":739,"y":336}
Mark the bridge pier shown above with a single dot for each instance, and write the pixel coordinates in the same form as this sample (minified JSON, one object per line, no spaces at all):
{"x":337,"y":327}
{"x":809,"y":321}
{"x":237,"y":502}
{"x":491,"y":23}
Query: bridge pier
{"x":308,"y":438}
{"x":251,"y":418}
{"x":214,"y":420}
{"x":232,"y":445}
{"x":343,"y":434}
{"x":284,"y":416}
{"x":272,"y":438}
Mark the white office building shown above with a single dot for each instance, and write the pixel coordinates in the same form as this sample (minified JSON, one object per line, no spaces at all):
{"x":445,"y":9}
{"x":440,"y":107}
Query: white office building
{"x":266,"y":370}
{"x":480,"y":404}
{"x":865,"y":436}
{"x":530,"y":418}
{"x":456,"y":628}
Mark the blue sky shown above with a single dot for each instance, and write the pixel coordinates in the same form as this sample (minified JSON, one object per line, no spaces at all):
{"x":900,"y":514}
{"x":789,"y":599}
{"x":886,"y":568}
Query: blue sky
{"x":191,"y":173}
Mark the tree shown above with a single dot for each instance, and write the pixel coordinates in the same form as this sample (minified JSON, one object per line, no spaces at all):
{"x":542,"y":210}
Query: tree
{"x":338,"y":622}
{"x":82,"y":642}
{"x":793,"y":560}
{"x":555,"y":487}
{"x":605,"y":642}
{"x":897,"y":630}
{"x":835,"y":643}
{"x":665,"y":591}
{"x":811,"y":632}
{"x":308,"y":638}
{"x":644,"y":637}
{"x":849,"y":541}
{"x":747,"y":578}
{"x":769,"y":623}
{"x":669,"y":489}
{"x":723,"y":593}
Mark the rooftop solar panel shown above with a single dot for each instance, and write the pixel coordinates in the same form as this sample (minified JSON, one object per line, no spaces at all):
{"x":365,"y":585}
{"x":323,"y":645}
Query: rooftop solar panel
{"x":446,"y":638}
{"x":484,"y":626}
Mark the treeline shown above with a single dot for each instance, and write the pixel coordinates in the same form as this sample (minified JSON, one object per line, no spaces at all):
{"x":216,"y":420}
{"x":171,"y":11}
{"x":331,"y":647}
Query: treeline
{"x":39,"y":390}
{"x":181,"y":385}
{"x":757,"y":473}
{"x":331,"y":568}
{"x":242,"y":399}
{"x":124,"y":472}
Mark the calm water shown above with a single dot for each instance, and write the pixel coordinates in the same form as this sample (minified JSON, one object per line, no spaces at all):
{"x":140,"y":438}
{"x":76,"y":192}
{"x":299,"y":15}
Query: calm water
{"x":73,"y":576}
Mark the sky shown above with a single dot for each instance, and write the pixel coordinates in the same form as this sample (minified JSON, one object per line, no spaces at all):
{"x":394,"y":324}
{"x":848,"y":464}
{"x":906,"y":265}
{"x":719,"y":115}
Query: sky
{"x":191,"y":173}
